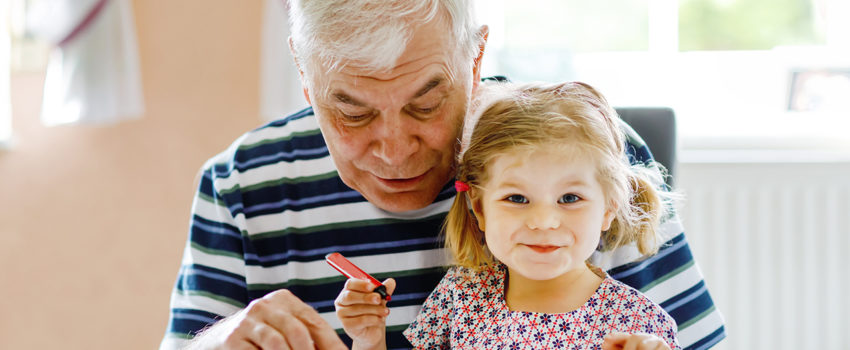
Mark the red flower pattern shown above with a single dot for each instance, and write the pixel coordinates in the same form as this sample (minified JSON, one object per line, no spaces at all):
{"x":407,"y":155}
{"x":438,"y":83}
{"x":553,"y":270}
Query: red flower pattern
{"x":467,"y":310}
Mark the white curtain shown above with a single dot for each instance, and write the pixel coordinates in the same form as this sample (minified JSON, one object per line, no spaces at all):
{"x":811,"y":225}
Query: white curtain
{"x":93,"y":72}
{"x":280,"y":87}
{"x":5,"y":68}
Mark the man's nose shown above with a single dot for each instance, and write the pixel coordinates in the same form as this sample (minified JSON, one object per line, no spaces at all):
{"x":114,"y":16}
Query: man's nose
{"x":396,"y":138}
{"x":543,"y":217}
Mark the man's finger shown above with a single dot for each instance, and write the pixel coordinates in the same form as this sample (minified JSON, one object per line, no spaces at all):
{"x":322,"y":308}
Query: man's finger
{"x":324,"y":337}
{"x":265,"y":336}
{"x":296,"y":333}
{"x":320,"y":332}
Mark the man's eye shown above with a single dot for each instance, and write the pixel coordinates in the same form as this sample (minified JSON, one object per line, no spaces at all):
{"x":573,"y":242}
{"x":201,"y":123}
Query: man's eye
{"x":355,"y":117}
{"x":569,"y":198}
{"x":517,"y":198}
{"x":427,"y":108}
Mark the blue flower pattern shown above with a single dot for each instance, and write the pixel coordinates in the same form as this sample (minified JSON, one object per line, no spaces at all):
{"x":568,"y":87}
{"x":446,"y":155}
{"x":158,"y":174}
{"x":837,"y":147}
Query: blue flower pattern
{"x":467,"y":310}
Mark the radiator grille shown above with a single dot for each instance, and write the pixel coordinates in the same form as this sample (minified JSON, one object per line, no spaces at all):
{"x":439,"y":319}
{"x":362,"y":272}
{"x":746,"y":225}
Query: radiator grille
{"x":773,"y":242}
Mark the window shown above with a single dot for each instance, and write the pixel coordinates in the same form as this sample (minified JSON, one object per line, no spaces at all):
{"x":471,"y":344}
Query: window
{"x":748,"y":24}
{"x":725,"y":66}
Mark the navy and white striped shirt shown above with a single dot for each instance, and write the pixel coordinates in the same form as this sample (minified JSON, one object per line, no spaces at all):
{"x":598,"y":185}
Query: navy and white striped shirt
{"x":271,"y":206}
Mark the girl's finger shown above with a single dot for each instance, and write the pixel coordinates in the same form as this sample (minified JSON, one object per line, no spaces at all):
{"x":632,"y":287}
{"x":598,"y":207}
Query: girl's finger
{"x":350,"y":297}
{"x":389,"y":283}
{"x":362,"y":310}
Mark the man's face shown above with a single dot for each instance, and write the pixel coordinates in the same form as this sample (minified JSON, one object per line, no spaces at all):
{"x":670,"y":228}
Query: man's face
{"x":392,"y":135}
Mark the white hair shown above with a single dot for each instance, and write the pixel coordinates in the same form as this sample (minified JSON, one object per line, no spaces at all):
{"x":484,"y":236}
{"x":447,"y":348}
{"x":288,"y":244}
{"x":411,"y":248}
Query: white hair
{"x":373,"y":34}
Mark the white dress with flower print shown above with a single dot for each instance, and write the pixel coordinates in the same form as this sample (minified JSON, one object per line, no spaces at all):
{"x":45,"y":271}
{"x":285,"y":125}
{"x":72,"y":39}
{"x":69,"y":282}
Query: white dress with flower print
{"x":467,"y":310}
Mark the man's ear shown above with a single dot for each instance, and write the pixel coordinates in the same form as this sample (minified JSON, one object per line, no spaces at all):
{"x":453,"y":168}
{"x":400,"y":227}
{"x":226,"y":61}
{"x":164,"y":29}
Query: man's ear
{"x":484,"y":31}
{"x":300,"y":72}
{"x":477,"y":209}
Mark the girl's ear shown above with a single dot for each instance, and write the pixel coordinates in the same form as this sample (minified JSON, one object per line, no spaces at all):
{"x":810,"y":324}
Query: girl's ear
{"x":477,"y":209}
{"x":608,"y":218}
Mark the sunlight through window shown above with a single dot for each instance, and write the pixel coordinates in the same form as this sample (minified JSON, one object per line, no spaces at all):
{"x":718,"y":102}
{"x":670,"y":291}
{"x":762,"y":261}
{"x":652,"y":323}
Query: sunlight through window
{"x":727,"y":67}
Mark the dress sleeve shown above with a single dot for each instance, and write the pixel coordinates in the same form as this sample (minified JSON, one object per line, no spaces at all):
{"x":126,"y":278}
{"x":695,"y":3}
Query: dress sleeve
{"x":432,"y":327}
{"x":666,"y":328}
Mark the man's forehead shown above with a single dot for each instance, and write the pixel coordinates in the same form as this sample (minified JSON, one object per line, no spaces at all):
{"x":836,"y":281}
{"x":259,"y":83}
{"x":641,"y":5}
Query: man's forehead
{"x":355,"y":90}
{"x":342,"y":95}
{"x":426,"y":63}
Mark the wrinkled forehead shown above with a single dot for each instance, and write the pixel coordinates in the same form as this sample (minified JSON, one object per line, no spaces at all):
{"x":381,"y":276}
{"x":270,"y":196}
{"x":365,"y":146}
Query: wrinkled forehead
{"x":407,"y":81}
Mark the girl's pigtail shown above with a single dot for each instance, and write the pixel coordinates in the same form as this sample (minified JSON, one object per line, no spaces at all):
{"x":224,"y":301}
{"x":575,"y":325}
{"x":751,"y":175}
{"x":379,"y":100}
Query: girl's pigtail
{"x":650,"y":208}
{"x":463,"y":238}
{"x":638,"y":221}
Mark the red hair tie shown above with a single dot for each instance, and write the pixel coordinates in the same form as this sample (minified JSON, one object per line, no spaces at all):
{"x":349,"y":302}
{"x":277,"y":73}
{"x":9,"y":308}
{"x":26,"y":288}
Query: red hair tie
{"x":461,"y":186}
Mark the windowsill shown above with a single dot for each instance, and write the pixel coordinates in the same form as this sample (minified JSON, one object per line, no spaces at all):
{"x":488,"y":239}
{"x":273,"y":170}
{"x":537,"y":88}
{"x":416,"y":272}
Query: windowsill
{"x":761,"y":156}
{"x":761,"y":148}
{"x":778,"y":137}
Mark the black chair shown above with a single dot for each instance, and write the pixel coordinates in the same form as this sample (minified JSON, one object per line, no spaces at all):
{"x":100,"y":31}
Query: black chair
{"x":657,"y":127}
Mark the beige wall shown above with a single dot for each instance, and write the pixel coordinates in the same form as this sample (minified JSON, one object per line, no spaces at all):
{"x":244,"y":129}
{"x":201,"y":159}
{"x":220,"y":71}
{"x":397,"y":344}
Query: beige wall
{"x":93,"y":219}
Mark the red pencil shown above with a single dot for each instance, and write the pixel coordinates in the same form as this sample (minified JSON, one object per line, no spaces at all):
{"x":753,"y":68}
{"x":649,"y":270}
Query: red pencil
{"x":345,"y":267}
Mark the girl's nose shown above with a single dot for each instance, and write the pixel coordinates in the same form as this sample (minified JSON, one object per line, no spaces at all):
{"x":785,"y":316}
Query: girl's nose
{"x":543,"y":217}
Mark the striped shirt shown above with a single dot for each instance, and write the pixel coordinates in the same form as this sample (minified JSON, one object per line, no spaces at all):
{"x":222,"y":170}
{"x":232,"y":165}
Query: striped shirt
{"x":270,"y":207}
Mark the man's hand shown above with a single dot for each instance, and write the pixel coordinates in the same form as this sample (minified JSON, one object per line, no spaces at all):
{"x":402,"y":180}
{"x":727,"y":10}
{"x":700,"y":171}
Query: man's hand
{"x":640,"y":341}
{"x":364,"y":313}
{"x":278,"y":320}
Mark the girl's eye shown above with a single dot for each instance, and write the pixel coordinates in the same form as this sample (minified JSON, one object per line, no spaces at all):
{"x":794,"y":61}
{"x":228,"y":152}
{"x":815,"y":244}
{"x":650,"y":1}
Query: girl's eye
{"x":569,"y":198}
{"x":517,"y":198}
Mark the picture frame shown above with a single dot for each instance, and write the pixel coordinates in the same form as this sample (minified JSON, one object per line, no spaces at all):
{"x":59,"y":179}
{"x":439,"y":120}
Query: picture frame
{"x":819,"y":90}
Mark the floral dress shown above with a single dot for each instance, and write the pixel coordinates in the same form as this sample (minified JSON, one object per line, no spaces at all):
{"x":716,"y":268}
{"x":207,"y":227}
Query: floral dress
{"x":467,"y":310}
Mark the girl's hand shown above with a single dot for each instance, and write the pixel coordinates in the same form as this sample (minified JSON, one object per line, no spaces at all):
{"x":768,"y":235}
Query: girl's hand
{"x":364,"y":313}
{"x":639,"y":341}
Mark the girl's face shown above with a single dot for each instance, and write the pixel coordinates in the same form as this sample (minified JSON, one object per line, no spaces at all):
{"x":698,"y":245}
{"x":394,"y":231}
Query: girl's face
{"x":542,"y":212}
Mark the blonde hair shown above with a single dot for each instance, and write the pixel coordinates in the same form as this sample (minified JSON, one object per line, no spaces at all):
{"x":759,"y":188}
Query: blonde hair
{"x":374,"y":33}
{"x":564,"y":115}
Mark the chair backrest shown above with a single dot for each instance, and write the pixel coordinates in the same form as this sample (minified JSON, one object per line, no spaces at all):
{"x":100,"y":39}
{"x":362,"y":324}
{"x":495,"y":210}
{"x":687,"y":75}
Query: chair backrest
{"x":657,"y":127}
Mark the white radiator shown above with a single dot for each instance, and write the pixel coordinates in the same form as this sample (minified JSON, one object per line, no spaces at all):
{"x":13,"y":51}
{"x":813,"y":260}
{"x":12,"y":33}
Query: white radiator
{"x":773,"y":241}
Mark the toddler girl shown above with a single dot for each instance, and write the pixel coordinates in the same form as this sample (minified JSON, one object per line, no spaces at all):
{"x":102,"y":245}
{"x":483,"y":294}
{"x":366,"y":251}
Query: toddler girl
{"x":543,"y":181}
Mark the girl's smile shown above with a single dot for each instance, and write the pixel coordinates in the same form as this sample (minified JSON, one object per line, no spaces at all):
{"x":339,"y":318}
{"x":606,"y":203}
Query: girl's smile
{"x":543,"y":249}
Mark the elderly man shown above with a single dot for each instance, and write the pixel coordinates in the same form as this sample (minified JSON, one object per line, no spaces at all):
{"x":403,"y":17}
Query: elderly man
{"x":365,"y":171}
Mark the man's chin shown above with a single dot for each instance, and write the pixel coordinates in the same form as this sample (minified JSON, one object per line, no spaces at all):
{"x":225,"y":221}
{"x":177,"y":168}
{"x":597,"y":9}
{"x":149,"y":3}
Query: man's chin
{"x":402,"y":202}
